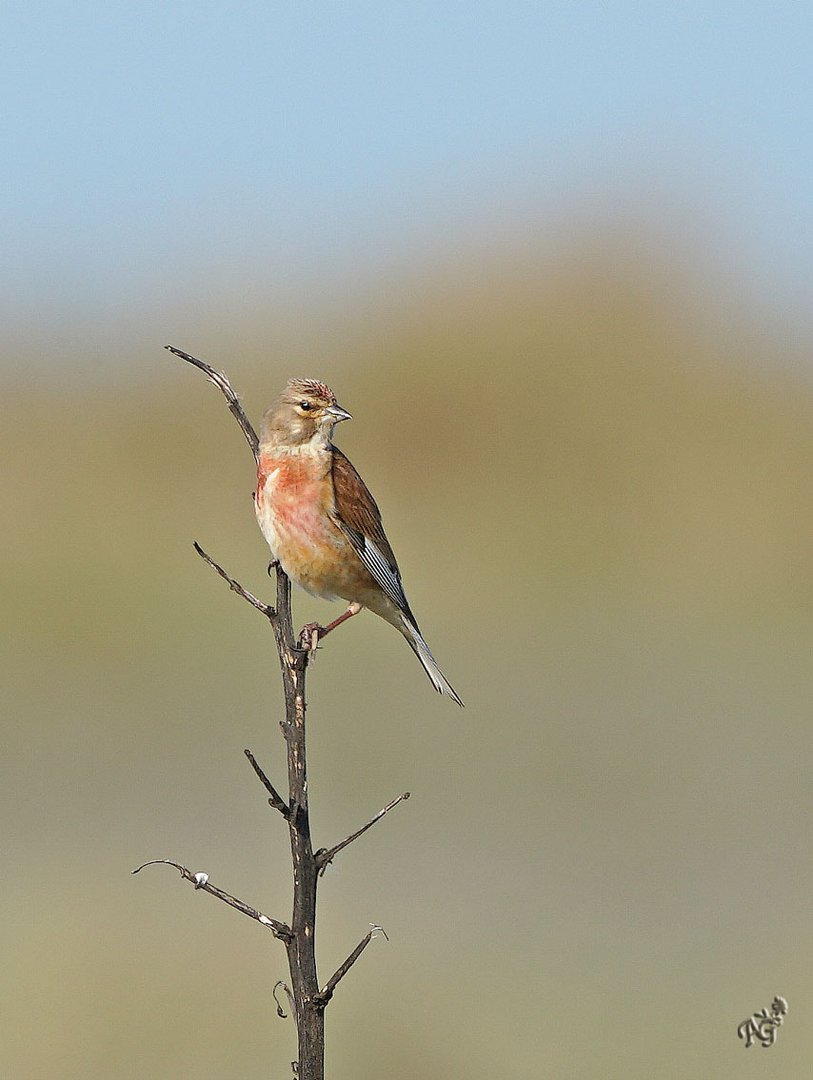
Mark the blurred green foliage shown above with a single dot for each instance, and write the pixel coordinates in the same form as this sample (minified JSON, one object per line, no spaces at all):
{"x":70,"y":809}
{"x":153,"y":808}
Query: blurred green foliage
{"x":596,"y":474}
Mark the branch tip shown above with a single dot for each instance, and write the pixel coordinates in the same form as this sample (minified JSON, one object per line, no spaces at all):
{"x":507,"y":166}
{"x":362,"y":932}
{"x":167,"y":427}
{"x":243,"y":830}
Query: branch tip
{"x":235,"y":586}
{"x":324,"y":856}
{"x":222,"y":383}
{"x":324,"y":996}
{"x":275,"y":799}
{"x":159,"y":862}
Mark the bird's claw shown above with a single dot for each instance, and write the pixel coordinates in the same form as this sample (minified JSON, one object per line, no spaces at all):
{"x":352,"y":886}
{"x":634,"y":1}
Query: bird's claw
{"x":309,"y":638}
{"x":272,"y":567}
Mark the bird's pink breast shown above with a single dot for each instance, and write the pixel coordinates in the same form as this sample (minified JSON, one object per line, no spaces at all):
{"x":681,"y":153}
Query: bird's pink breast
{"x":293,"y":505}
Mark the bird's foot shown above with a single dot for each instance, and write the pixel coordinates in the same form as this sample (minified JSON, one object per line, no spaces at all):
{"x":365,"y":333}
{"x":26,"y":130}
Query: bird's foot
{"x":309,"y":638}
{"x":313,"y":632}
{"x":272,"y":567}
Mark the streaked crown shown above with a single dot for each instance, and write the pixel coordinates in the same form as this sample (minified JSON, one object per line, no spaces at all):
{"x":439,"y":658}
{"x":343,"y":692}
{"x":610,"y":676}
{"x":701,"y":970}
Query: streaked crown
{"x":305,"y":412}
{"x":312,"y":389}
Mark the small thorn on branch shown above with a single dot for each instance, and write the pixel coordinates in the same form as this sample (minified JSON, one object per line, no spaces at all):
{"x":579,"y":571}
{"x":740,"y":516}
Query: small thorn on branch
{"x":324,"y":995}
{"x":200,"y":880}
{"x":276,"y":799}
{"x":235,"y":586}
{"x":324,"y":856}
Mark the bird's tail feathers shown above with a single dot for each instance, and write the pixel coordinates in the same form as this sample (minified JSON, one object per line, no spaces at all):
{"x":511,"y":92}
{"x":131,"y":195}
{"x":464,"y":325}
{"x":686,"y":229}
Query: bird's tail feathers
{"x":424,"y":654}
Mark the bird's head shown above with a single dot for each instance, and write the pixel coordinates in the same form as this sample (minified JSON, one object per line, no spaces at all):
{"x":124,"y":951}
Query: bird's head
{"x":305,"y":412}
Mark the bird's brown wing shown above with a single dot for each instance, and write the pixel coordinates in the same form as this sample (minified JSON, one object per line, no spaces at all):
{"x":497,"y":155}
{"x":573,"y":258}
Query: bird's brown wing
{"x":360,"y":520}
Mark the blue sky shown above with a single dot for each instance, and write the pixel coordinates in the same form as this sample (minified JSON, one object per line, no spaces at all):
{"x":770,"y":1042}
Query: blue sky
{"x":305,"y":136}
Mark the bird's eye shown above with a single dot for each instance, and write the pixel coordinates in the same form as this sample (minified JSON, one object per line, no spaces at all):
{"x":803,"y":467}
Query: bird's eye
{"x":305,"y":406}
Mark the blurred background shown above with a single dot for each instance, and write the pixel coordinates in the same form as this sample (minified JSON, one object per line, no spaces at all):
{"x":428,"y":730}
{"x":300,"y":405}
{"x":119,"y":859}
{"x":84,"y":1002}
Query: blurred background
{"x":556,"y":259}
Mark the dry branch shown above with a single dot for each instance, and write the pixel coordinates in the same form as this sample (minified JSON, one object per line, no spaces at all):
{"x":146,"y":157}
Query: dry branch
{"x":324,"y":856}
{"x":308,"y":1000}
{"x":201,"y":881}
{"x":325,"y":995}
{"x":235,"y":586}
{"x":275,"y":799}
{"x":223,"y":384}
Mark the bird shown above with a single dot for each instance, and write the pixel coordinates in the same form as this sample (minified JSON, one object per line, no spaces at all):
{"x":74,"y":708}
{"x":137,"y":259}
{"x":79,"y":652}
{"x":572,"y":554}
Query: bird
{"x":321,"y":522}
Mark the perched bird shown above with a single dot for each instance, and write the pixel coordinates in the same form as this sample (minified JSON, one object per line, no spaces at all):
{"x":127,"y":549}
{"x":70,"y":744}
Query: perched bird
{"x":321,"y":522}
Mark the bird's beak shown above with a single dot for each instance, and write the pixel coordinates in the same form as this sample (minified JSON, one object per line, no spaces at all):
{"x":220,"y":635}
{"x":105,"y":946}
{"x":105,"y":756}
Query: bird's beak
{"x":337,"y":413}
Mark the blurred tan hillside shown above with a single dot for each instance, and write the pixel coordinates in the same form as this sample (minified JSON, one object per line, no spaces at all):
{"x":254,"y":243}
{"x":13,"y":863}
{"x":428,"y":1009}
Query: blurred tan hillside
{"x":604,"y":425}
{"x":594,"y":465}
{"x":573,"y":421}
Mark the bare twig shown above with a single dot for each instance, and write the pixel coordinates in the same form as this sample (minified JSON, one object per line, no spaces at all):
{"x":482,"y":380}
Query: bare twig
{"x":325,"y":855}
{"x":276,"y":799}
{"x":235,"y":586}
{"x":223,"y":384}
{"x":201,"y":881}
{"x":324,"y":995}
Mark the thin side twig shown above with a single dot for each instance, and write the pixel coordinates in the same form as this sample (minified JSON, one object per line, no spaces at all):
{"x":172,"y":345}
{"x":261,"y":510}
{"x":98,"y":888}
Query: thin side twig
{"x":325,"y":855}
{"x":324,"y":995}
{"x":266,"y":609}
{"x":276,"y":800}
{"x":200,"y":880}
{"x":222,"y":383}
